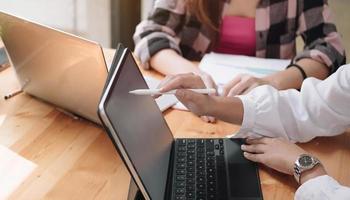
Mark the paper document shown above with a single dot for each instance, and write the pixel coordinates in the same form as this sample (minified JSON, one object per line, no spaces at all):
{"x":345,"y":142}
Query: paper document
{"x":224,"y":67}
{"x":165,"y":101}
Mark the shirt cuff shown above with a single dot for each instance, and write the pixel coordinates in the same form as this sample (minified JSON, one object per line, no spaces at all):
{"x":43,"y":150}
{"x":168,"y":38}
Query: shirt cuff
{"x":316,"y":188}
{"x":249,"y":113}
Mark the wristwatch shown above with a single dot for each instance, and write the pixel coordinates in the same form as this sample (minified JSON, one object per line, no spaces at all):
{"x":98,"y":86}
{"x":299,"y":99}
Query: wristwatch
{"x":303,"y":163}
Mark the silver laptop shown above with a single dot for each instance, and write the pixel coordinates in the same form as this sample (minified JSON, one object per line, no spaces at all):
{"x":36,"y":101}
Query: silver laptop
{"x":57,"y":67}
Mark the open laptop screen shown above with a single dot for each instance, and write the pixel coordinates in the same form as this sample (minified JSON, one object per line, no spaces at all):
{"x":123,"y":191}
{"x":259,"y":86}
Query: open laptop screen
{"x":140,"y":127}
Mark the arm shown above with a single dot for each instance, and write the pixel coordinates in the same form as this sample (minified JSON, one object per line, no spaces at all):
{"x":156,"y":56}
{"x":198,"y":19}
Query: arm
{"x":292,"y":78}
{"x":177,"y":64}
{"x":321,"y":108}
{"x":323,"y":52}
{"x":160,"y":30}
{"x":315,"y":183}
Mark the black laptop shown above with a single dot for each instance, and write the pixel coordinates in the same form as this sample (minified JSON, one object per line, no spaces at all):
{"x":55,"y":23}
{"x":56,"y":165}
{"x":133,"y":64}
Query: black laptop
{"x":164,"y":167}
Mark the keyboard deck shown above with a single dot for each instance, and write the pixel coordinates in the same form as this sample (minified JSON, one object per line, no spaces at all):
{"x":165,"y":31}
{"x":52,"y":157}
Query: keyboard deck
{"x":199,"y":165}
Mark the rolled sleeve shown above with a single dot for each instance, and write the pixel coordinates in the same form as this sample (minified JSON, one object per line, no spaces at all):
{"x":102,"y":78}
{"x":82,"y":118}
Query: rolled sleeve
{"x":160,"y":30}
{"x":321,"y":108}
{"x":322,"y":188}
{"x":322,"y":41}
{"x":248,"y":117}
{"x":261,"y":114}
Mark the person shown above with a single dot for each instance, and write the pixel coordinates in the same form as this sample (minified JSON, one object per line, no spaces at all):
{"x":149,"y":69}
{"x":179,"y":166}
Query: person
{"x":321,"y":108}
{"x":315,"y":183}
{"x":180,"y":31}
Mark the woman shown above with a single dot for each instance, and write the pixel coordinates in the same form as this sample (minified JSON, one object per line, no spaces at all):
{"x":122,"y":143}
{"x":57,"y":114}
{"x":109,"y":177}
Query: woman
{"x":321,"y":108}
{"x":180,"y":31}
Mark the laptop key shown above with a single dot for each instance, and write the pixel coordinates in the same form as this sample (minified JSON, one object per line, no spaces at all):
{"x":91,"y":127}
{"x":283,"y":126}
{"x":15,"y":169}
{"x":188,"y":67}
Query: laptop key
{"x":190,"y":188}
{"x":211,"y":197}
{"x":180,"y":178}
{"x":190,"y":168}
{"x":180,"y":198}
{"x":180,"y":191}
{"x":191,"y":141}
{"x":181,"y":149}
{"x":190,"y":175}
{"x":190,"y":194}
{"x":180,"y":184}
{"x":181,"y":166}
{"x":181,"y":154}
{"x":190,"y":181}
{"x":200,"y":143}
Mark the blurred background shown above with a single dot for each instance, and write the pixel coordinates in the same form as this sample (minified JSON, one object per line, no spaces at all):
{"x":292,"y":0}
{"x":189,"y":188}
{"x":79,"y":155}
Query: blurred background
{"x":111,"y":21}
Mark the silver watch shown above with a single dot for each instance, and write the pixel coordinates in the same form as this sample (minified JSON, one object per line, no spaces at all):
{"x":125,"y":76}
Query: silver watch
{"x":303,"y":163}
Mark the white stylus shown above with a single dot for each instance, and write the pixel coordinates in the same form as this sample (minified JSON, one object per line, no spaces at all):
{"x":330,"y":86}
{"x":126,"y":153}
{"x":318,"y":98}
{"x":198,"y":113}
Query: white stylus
{"x":157,"y":91}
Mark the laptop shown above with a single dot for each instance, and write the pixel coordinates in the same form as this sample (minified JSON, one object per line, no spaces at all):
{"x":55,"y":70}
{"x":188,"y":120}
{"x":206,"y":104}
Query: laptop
{"x":164,"y":167}
{"x":57,"y":67}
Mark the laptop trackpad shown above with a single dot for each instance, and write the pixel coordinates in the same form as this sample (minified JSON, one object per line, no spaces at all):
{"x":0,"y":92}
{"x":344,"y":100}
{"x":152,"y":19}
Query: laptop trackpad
{"x":243,"y":177}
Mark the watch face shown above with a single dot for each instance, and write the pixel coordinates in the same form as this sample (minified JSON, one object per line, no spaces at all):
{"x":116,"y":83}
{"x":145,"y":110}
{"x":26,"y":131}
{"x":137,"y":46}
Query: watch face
{"x":305,"y":161}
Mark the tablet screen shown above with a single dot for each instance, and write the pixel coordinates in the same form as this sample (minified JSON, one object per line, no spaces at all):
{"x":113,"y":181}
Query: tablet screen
{"x":141,"y":127}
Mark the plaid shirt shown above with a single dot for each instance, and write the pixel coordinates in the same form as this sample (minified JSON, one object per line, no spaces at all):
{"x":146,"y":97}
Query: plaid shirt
{"x":277,"y":24}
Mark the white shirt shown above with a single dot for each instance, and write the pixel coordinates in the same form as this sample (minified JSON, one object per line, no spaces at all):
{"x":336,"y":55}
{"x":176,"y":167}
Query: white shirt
{"x":321,"y":108}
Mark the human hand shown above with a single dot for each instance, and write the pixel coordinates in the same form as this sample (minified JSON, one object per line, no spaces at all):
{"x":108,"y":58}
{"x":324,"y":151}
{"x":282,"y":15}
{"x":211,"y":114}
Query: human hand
{"x":276,"y":153}
{"x":242,"y":84}
{"x":280,"y":155}
{"x":196,"y":103}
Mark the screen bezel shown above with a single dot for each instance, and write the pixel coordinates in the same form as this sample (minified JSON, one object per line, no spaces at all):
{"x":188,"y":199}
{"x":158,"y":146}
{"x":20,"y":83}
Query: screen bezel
{"x":112,"y":133}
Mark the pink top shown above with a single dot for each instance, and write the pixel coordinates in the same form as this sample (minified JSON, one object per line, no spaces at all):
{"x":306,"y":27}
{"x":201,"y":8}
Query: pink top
{"x":237,"y":36}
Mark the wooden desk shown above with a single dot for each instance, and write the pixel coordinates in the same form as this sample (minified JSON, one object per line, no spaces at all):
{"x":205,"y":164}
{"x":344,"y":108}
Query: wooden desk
{"x":76,"y":159}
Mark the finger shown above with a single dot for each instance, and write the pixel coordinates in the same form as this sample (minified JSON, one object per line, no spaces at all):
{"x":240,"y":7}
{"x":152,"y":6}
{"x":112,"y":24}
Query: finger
{"x":226,"y":89}
{"x":208,"y":119}
{"x":208,"y":81}
{"x":254,"y":157}
{"x":188,"y":96}
{"x":183,"y":81}
{"x":205,"y":119}
{"x":250,"y":89}
{"x":195,"y":102}
{"x":256,"y":140}
{"x":254,"y":148}
{"x":165,"y":81}
{"x":211,"y":119}
{"x":238,"y":88}
{"x":162,"y":83}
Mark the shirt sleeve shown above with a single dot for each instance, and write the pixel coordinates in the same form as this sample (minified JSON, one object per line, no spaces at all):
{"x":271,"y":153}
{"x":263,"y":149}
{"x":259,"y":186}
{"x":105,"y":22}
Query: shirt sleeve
{"x":160,"y":30}
{"x":322,"y":41}
{"x":321,"y":108}
{"x":322,"y":188}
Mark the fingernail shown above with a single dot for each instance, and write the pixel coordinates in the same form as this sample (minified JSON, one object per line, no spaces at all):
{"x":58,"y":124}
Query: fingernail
{"x":242,"y":146}
{"x":245,"y":154}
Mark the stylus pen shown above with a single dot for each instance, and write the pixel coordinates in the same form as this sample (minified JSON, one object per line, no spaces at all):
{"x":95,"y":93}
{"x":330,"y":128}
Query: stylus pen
{"x":12,"y":94}
{"x":157,"y":91}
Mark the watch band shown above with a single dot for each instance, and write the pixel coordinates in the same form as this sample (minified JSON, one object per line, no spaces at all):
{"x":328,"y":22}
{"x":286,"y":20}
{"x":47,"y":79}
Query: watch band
{"x":298,"y":169}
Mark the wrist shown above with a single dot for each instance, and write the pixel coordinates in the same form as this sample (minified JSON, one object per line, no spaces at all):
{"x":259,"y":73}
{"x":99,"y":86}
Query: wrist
{"x":227,"y":109}
{"x":273,"y":81}
{"x":316,"y":171}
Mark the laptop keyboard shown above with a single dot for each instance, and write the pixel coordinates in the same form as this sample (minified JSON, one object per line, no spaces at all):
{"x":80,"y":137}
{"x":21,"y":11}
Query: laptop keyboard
{"x":199,"y":164}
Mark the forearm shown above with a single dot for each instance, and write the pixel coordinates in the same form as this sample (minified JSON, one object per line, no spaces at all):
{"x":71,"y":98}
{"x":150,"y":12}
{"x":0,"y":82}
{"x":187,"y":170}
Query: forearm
{"x":227,"y":109}
{"x":292,"y":78}
{"x":169,"y":62}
